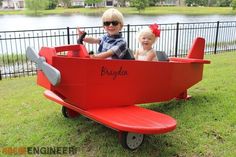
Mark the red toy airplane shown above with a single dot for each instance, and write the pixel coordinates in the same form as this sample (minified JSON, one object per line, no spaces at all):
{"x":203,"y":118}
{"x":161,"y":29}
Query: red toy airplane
{"x":107,"y":91}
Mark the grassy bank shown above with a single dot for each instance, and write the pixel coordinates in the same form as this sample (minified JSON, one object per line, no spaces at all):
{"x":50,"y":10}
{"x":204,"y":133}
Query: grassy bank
{"x":147,"y":11}
{"x":12,"y":59}
{"x":206,"y":123}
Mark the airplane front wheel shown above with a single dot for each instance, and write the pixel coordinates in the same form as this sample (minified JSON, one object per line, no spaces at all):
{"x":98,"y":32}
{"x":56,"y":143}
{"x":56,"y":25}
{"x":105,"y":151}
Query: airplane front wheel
{"x":68,"y":113}
{"x":131,"y":140}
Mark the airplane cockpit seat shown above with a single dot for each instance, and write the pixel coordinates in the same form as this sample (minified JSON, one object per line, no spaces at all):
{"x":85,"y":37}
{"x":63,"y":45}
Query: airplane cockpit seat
{"x":161,"y":56}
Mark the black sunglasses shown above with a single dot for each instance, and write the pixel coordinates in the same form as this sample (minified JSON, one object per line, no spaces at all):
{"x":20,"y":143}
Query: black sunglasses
{"x":107,"y":23}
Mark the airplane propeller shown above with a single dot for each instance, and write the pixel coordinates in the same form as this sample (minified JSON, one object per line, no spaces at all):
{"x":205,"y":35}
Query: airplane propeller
{"x":52,"y":74}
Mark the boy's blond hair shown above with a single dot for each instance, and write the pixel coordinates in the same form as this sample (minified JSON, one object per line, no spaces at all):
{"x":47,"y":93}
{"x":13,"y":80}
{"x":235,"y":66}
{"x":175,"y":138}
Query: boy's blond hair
{"x":113,"y":14}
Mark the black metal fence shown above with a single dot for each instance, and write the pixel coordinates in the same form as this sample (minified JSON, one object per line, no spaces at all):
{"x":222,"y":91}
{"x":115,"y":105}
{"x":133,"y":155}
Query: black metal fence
{"x":175,"y":40}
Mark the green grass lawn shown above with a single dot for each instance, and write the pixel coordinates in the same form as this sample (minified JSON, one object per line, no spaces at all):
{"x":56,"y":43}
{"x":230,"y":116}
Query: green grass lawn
{"x":132,"y":10}
{"x":206,"y":124}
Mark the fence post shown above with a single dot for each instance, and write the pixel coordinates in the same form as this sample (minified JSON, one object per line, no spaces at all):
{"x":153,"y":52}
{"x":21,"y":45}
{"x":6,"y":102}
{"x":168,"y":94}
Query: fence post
{"x":68,"y":35}
{"x":0,"y":75}
{"x":128,"y":35}
{"x":176,"y":39}
{"x":217,"y":32}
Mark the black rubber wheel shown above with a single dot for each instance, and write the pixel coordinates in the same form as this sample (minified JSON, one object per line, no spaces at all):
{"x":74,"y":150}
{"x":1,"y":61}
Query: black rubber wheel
{"x":131,"y":140}
{"x":68,"y":113}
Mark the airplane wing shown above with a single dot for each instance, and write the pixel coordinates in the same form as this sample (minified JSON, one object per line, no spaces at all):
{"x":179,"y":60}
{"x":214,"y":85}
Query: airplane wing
{"x":125,"y":118}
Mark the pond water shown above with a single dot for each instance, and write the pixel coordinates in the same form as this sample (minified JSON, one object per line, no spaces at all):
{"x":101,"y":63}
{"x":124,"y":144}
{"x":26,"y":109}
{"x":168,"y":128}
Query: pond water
{"x":22,"y":22}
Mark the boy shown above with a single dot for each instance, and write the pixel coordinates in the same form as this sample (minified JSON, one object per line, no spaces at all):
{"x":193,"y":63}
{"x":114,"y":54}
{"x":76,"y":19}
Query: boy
{"x":112,"y":44}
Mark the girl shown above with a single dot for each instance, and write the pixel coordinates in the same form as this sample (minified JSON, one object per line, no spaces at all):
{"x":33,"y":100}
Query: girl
{"x":147,"y":38}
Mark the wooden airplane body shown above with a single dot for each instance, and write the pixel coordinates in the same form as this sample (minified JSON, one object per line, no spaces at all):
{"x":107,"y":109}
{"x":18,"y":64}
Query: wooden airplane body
{"x":108,"y":91}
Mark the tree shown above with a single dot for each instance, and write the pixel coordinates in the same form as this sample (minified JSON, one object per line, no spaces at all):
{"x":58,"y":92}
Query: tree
{"x":224,"y":3}
{"x":36,"y":5}
{"x":219,"y":3}
{"x":52,"y":4}
{"x":1,"y":2}
{"x":153,"y":2}
{"x":189,"y":2}
{"x":233,"y":4}
{"x":140,"y":4}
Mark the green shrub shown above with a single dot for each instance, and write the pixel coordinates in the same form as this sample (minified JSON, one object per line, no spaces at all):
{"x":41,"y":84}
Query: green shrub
{"x":234,"y":4}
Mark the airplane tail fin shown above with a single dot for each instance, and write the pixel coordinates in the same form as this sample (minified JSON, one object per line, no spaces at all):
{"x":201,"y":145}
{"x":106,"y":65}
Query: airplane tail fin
{"x":197,"y":49}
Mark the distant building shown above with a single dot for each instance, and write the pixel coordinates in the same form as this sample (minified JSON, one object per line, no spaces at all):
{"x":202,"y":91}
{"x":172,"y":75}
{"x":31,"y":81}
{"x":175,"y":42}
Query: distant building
{"x":167,"y":3}
{"x":105,"y":3}
{"x":78,"y":3}
{"x":13,"y":4}
{"x":171,"y":3}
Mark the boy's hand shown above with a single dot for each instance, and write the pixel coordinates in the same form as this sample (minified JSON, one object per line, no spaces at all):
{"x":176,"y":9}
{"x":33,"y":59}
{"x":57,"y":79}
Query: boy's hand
{"x":92,"y":56}
{"x":90,"y":40}
{"x":79,"y":32}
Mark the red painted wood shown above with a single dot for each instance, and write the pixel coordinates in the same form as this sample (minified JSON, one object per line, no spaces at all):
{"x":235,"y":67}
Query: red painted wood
{"x":126,"y":118}
{"x":107,"y":90}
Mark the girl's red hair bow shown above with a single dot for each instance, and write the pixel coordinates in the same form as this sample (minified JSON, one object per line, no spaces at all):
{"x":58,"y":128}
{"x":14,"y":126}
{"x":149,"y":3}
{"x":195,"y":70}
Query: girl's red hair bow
{"x":155,"y":30}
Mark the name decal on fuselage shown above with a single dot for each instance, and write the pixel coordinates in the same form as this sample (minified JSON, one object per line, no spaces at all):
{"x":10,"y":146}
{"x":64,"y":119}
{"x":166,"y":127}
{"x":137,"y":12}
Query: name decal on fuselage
{"x":121,"y":72}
